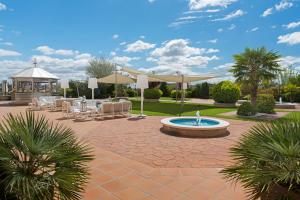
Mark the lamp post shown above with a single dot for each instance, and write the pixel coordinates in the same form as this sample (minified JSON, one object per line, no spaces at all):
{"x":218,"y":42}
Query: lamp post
{"x":142,"y":83}
{"x":64,"y":84}
{"x":93,"y":85}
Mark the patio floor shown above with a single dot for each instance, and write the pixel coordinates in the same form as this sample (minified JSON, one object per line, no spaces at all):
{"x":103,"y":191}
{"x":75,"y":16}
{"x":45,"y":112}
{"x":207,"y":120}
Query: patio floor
{"x":135,"y":160}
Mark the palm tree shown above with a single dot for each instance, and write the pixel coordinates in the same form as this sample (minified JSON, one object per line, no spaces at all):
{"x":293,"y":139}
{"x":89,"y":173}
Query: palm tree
{"x":253,"y":66}
{"x":39,"y":160}
{"x":267,"y":160}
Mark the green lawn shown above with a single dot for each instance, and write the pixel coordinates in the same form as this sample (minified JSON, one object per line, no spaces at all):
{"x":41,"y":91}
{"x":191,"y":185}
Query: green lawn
{"x":171,"y":108}
{"x":167,"y":108}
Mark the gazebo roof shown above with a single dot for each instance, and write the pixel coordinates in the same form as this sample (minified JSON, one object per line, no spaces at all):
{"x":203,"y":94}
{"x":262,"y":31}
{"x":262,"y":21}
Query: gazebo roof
{"x":34,"y":72}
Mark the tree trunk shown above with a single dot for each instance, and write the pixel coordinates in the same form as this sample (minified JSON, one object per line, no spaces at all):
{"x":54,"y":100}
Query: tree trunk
{"x":254,"y":95}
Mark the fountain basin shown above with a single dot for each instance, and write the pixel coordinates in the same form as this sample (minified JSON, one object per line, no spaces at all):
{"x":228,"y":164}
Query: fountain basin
{"x":187,"y":126}
{"x":285,"y":105}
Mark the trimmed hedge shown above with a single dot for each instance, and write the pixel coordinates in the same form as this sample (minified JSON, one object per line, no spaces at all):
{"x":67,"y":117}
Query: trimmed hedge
{"x":153,"y":93}
{"x":226,"y":92}
{"x":265,"y":103}
{"x":246,"y":109}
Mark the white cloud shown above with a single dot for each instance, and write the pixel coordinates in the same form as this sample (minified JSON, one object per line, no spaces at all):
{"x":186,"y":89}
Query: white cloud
{"x":212,"y":10}
{"x":139,"y":46}
{"x":7,"y":43}
{"x":65,"y":67}
{"x":71,"y":67}
{"x":179,"y":23}
{"x":213,"y":41}
{"x":292,"y":25}
{"x":123,"y":43}
{"x":284,"y":4}
{"x":200,"y":4}
{"x":254,"y":29}
{"x":151,"y":1}
{"x":224,"y":66}
{"x":178,"y":55}
{"x":115,"y":36}
{"x":113,"y":53}
{"x":290,"y":61}
{"x":2,"y":6}
{"x":220,"y":30}
{"x":232,"y":15}
{"x":50,"y":51}
{"x":7,"y":53}
{"x":231,"y":27}
{"x":291,"y":38}
{"x":142,"y":37}
{"x":124,"y":60}
{"x":267,"y":12}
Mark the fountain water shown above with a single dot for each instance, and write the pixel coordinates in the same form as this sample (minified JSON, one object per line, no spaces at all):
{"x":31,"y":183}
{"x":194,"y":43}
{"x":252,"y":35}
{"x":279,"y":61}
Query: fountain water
{"x":280,"y":100}
{"x":198,"y":121}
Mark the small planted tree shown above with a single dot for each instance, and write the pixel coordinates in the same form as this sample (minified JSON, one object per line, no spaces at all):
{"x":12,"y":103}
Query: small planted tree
{"x":39,"y":160}
{"x":99,"y":68}
{"x":253,"y":66}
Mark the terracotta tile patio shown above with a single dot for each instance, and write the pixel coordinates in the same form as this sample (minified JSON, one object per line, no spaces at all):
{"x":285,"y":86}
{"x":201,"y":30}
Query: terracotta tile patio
{"x":134,"y":160}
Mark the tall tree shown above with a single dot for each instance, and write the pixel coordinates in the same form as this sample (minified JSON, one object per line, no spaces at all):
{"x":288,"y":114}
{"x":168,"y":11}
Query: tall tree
{"x":255,"y":65}
{"x":99,"y":68}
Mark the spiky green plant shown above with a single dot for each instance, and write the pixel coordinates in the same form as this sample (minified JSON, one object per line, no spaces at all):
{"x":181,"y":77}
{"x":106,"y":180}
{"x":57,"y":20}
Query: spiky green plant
{"x":268,"y":157}
{"x":39,"y":160}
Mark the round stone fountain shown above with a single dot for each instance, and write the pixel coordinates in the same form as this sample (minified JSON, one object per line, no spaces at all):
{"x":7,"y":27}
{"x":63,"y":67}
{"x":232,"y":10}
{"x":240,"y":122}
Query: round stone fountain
{"x":195,"y":126}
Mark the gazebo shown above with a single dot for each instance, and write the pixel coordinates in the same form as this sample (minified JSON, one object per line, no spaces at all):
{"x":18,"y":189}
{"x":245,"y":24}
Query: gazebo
{"x":32,"y":82}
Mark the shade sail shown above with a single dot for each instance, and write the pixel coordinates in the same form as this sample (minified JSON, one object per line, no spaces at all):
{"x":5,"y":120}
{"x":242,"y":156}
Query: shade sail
{"x":116,"y":79}
{"x":135,"y":73}
{"x":182,"y":78}
{"x":168,"y":78}
{"x":34,"y":72}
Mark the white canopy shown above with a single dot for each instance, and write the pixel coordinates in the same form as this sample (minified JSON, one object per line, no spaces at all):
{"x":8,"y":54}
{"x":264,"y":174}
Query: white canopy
{"x":182,"y":78}
{"x":116,"y":79}
{"x":169,"y":78}
{"x":135,"y":73}
{"x":35,"y":72}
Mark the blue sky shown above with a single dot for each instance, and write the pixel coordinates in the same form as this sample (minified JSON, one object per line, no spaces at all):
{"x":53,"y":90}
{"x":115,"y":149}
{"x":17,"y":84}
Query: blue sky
{"x":191,"y":36}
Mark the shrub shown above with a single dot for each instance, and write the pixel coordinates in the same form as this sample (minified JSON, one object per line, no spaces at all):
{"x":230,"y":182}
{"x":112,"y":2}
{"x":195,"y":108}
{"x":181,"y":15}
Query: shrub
{"x":173,"y":94}
{"x":267,"y":157}
{"x":246,"y":109}
{"x":265,"y":103}
{"x":201,"y":91}
{"x":226,"y":92}
{"x":153,"y":93}
{"x":188,"y":94}
{"x":165,"y":89}
{"x":40,"y":160}
{"x":130,"y":92}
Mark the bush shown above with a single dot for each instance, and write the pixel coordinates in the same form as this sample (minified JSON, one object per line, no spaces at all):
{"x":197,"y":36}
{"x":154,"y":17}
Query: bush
{"x":131,"y":92}
{"x":165,"y":89}
{"x":267,"y":157}
{"x":265,"y":103}
{"x":246,"y":109}
{"x":40,"y":160}
{"x":226,"y":92}
{"x":188,"y":94}
{"x":153,"y":93}
{"x":201,"y":91}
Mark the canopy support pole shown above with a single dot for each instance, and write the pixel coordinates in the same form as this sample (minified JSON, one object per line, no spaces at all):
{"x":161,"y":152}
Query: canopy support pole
{"x":142,"y":103}
{"x":182,"y":95}
{"x":116,"y":88}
